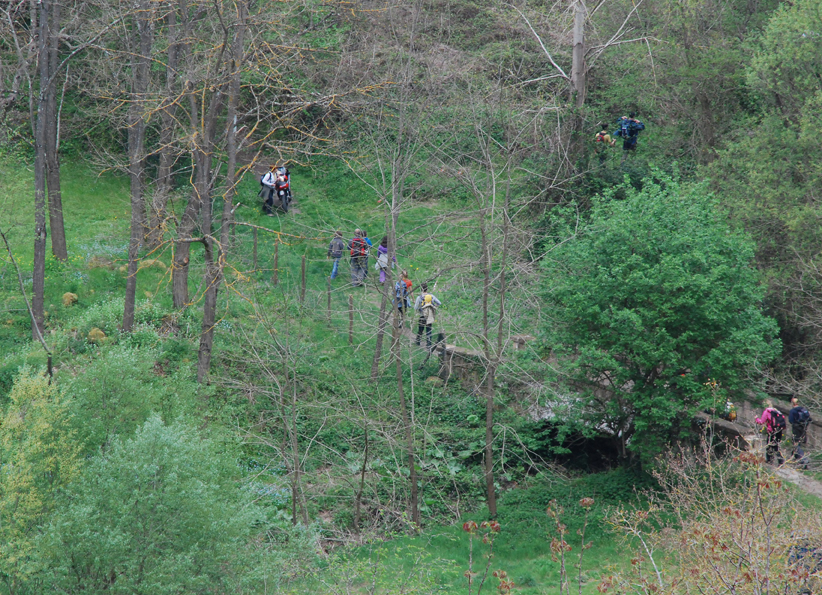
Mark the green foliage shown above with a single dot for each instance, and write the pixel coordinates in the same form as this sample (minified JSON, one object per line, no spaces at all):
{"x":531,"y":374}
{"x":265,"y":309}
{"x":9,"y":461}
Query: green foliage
{"x":786,"y":67}
{"x":118,"y":390}
{"x":161,"y":512}
{"x":39,"y":456}
{"x":653,"y":296}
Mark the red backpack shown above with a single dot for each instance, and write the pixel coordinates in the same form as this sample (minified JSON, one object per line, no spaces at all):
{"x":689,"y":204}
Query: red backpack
{"x":358,"y":247}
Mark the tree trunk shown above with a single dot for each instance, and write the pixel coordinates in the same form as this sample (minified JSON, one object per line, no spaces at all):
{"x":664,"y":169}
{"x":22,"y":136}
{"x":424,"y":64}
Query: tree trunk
{"x":55,"y":199}
{"x":409,"y":431}
{"x":358,"y":499}
{"x":384,"y":301}
{"x":168,"y":157}
{"x":489,"y":373}
{"x":578,"y":68}
{"x":214,"y":271}
{"x":39,"y":264}
{"x":136,"y":154}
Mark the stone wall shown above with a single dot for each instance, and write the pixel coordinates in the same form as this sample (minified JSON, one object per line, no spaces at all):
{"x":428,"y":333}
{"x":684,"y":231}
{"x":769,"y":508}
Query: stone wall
{"x":464,"y":365}
{"x":747,"y":412}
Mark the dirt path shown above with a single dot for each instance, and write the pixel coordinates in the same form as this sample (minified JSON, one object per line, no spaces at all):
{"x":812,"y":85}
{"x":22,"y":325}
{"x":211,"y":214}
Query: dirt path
{"x":802,"y":481}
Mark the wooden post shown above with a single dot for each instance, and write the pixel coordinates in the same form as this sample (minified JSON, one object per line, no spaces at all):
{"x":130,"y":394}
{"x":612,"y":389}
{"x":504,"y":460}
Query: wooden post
{"x":255,"y":248}
{"x":275,"y":277}
{"x":350,"y":319}
{"x":328,"y":299}
{"x":302,"y":281}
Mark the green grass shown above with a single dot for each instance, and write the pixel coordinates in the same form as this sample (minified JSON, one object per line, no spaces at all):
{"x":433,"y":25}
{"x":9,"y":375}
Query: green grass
{"x":522,"y":548}
{"x":97,"y":218}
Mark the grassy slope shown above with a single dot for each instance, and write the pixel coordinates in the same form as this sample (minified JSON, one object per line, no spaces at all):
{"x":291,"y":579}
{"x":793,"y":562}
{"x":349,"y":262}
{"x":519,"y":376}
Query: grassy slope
{"x":96,"y":212}
{"x":97,"y":220}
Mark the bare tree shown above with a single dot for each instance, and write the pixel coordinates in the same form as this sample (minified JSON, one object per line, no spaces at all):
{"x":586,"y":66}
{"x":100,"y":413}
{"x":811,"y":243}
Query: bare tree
{"x":141,"y":58}
{"x":168,"y":151}
{"x":39,"y":264}
{"x":55,"y":199}
{"x":214,"y":270}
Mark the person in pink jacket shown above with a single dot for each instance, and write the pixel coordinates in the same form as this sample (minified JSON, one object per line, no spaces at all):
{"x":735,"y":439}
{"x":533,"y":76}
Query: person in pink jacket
{"x":774,"y":423}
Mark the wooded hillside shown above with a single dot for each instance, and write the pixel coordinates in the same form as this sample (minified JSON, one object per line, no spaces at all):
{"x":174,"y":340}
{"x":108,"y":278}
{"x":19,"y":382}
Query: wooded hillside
{"x":193,"y":402}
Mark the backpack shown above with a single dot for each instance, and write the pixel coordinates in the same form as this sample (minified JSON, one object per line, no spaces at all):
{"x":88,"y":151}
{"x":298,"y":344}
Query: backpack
{"x":427,"y":309}
{"x":778,"y":423}
{"x":803,"y":416}
{"x":358,"y":247}
{"x":600,"y":138}
{"x":625,"y":128}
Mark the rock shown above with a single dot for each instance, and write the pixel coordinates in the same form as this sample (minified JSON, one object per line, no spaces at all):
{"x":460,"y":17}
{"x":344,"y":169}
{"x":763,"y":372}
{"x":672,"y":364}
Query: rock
{"x":153,"y":262}
{"x":435,"y":381}
{"x":521,"y":341}
{"x":95,"y":335}
{"x":69,"y":299}
{"x":100,"y":262}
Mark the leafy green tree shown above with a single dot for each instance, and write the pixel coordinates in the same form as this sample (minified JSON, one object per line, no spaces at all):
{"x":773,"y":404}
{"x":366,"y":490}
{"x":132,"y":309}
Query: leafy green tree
{"x":159,"y":513}
{"x":652,"y":296}
{"x":786,"y":68}
{"x":770,"y":170}
{"x":118,"y":390}
{"x":39,"y":455}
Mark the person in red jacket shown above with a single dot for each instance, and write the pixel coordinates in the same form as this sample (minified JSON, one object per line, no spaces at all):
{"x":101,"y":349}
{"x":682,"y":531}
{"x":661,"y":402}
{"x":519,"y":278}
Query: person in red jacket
{"x":774,"y":423}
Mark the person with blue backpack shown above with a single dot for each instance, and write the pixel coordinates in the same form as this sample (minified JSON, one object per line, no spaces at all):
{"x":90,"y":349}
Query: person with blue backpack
{"x":628,"y":130}
{"x":799,"y":417}
{"x":402,"y":296}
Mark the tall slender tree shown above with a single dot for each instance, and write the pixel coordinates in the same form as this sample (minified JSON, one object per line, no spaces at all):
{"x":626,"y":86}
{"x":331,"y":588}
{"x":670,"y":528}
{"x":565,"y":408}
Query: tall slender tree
{"x":141,"y":57}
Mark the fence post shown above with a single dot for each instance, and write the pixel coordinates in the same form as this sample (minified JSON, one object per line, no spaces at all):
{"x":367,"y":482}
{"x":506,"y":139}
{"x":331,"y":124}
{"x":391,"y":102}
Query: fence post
{"x":275,"y":277}
{"x":328,"y":299}
{"x":302,"y":281}
{"x":350,"y":319}
{"x":255,"y":248}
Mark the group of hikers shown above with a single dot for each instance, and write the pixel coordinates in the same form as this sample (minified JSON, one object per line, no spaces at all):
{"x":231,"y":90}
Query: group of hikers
{"x":359,"y":250}
{"x":628,"y":129}
{"x":275,"y":187}
{"x":775,"y":424}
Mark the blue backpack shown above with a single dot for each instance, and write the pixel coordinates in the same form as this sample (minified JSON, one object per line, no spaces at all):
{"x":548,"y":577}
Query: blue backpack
{"x":803,"y":416}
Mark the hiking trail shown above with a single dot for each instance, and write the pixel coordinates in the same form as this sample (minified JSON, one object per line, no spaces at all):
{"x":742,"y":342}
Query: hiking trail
{"x":799,"y":479}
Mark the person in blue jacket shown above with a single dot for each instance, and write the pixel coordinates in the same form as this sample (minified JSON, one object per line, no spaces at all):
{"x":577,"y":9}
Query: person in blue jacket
{"x":629,"y":129}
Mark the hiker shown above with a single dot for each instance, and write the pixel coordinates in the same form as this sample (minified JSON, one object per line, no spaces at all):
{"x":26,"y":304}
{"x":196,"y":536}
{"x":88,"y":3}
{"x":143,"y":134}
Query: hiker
{"x":774,"y":423}
{"x":382,"y":258}
{"x":277,"y":182}
{"x":268,"y":183}
{"x":629,"y":129}
{"x":799,"y":417}
{"x":335,"y":251}
{"x":402,"y":293}
{"x":359,"y":258}
{"x":426,"y":304}
{"x":282,"y":187}
{"x":603,"y":142}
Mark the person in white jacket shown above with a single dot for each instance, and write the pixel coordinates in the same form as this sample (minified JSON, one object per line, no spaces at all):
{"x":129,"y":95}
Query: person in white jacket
{"x":269,"y":182}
